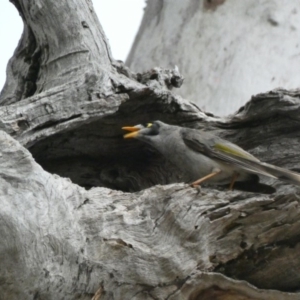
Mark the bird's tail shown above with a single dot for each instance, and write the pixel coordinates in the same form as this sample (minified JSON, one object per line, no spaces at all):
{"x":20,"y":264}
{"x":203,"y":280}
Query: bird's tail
{"x":282,"y":174}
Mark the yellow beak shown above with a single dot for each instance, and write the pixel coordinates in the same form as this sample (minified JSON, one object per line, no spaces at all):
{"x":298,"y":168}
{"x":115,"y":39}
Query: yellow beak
{"x":134,"y":130}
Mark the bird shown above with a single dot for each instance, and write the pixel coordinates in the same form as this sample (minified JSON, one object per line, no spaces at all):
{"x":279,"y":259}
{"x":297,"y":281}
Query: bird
{"x":204,"y":157}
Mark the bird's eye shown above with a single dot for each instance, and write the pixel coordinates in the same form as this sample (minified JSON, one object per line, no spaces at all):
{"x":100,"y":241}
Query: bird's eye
{"x":153,"y":128}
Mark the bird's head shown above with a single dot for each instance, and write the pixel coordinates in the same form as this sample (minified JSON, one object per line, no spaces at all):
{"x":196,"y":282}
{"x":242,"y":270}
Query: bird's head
{"x":144,"y":133}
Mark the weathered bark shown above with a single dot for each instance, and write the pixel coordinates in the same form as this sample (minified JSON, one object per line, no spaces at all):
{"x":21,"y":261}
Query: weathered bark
{"x":62,"y":241}
{"x":62,"y":44}
{"x":226,"y":50}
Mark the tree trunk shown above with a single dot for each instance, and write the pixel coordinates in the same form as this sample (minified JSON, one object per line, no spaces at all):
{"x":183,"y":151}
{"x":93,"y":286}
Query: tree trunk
{"x":111,"y":232}
{"x":226,"y":50}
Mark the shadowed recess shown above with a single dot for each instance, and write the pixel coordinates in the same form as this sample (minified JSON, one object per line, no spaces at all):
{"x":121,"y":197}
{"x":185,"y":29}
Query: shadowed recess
{"x":95,"y":153}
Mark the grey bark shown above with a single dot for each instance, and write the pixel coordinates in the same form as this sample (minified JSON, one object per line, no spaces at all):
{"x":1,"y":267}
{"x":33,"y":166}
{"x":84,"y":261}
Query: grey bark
{"x":114,"y":230}
{"x":226,"y":50}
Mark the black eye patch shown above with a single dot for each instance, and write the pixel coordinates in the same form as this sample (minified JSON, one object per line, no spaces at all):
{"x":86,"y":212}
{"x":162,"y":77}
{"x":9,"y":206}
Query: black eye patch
{"x":153,"y":129}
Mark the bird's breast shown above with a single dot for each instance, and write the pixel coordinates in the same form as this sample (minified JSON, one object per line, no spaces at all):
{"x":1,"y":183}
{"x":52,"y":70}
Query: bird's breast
{"x":192,"y":164}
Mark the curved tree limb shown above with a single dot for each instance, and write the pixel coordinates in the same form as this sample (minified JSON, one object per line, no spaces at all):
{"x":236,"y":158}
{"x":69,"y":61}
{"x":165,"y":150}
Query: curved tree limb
{"x":65,"y":241}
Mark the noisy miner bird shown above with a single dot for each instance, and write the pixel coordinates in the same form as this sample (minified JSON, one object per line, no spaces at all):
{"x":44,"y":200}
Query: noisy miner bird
{"x":206,"y":157}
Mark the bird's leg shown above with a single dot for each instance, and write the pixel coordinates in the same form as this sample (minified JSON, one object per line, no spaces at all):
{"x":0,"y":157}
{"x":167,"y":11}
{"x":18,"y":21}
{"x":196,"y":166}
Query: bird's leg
{"x":199,"y":181}
{"x":233,"y":179}
{"x":198,"y":188}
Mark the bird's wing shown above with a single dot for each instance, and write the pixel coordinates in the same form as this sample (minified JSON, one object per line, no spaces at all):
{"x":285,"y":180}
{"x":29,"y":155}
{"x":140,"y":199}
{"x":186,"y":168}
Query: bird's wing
{"x":224,"y":151}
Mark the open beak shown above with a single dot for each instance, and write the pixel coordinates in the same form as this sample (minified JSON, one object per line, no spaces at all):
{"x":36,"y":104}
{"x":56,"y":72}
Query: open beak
{"x":134,"y":130}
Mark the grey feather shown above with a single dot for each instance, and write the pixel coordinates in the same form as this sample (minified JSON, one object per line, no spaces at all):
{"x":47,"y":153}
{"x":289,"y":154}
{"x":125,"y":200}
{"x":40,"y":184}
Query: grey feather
{"x":204,"y":143}
{"x":198,"y":154}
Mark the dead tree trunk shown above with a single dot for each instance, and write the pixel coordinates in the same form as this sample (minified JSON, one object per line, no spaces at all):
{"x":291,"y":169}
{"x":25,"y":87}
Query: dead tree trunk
{"x":226,"y":50}
{"x":110,"y":232}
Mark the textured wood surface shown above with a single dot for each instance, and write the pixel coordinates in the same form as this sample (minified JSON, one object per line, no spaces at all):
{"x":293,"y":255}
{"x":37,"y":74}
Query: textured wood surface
{"x":226,"y":50}
{"x":60,"y":241}
{"x":124,"y":226}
